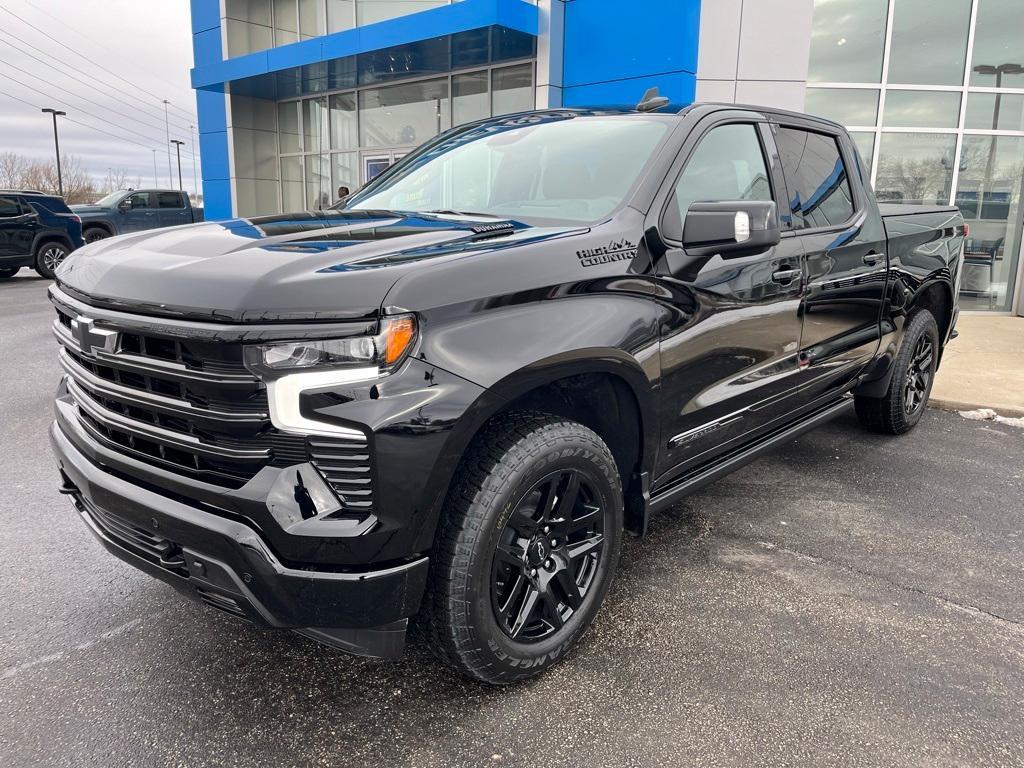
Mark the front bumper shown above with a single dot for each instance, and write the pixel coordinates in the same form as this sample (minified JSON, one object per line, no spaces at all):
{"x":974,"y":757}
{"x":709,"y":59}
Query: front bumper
{"x":227,"y":564}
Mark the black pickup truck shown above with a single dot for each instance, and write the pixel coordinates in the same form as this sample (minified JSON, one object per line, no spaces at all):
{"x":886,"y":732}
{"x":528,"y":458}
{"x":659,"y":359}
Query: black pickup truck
{"x":443,"y":404}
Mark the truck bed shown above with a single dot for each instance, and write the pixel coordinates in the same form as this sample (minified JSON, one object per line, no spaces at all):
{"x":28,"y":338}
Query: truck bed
{"x":889,"y":210}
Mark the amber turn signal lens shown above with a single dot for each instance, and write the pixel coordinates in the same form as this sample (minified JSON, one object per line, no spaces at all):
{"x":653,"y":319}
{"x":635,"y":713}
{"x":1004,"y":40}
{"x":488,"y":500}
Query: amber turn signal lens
{"x":399,"y":334}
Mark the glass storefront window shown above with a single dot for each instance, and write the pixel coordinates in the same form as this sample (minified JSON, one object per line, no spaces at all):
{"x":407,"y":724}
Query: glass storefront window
{"x":512,"y":89}
{"x":288,"y":126}
{"x":865,"y":142}
{"x":915,"y":168}
{"x":318,"y":182}
{"x":311,"y":18}
{"x":989,"y":196}
{"x":470,"y":97}
{"x":847,"y":40}
{"x":293,"y":197}
{"x":999,"y":44}
{"x":344,"y":126}
{"x":403,"y":115}
{"x":344,"y":172}
{"x":929,"y":42}
{"x":995,"y":111}
{"x":314,"y":124}
{"x":848,"y":106}
{"x":921,"y":109}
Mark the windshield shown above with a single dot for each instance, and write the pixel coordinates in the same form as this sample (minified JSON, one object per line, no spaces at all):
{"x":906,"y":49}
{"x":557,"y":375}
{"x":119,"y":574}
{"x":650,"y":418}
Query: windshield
{"x":570,"y":168}
{"x":108,"y":200}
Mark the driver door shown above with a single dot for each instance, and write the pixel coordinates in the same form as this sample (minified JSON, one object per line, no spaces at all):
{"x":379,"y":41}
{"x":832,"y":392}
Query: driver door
{"x":140,"y":215}
{"x":729,"y":353}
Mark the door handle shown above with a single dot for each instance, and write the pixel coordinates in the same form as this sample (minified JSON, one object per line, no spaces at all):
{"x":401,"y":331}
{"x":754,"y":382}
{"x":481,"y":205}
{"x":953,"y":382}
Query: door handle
{"x":871,"y":259}
{"x":785,"y":275}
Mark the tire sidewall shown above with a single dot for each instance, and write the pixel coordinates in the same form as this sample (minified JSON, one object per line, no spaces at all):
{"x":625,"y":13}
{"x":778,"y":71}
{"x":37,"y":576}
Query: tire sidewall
{"x":522,"y":659}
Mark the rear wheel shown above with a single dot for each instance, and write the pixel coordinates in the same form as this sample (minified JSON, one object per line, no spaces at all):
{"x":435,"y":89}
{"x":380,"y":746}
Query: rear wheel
{"x":7,"y":272}
{"x":49,"y":256}
{"x":913,"y":374}
{"x":94,"y":234}
{"x":527,"y":548}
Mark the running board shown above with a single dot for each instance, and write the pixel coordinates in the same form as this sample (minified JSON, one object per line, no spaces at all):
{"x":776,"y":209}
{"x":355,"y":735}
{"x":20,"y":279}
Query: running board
{"x":702,"y":477}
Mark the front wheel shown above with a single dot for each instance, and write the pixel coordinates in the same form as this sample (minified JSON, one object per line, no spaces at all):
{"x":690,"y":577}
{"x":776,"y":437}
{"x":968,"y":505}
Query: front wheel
{"x":913,"y":374}
{"x":527,"y":548}
{"x":48,"y":258}
{"x":94,"y":234}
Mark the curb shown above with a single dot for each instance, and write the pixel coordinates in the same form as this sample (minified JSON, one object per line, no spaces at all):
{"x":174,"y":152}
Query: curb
{"x":958,"y":405}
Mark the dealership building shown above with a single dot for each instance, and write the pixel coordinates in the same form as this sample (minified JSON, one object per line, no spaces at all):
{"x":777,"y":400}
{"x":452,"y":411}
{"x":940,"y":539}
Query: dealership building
{"x":298,"y":98}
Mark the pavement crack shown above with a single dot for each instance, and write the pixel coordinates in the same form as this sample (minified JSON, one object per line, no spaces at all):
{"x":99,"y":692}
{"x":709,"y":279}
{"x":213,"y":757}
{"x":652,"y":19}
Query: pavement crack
{"x":973,"y":610}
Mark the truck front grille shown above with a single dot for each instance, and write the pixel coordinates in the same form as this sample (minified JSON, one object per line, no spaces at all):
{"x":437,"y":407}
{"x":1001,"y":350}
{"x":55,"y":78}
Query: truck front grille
{"x":193,"y":408}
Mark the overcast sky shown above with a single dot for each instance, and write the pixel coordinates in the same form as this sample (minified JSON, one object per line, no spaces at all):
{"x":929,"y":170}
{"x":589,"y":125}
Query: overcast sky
{"x":148,"y":43}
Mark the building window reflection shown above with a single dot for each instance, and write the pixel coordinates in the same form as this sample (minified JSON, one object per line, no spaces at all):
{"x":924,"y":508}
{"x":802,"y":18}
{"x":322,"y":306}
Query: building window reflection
{"x":942,"y":124}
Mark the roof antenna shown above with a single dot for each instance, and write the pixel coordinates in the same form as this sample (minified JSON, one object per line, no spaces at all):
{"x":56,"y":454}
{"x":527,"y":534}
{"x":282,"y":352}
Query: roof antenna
{"x":652,"y":102}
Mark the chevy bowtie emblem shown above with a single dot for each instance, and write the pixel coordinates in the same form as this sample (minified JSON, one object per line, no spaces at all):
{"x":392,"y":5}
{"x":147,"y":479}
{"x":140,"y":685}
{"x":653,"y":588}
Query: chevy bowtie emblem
{"x":90,"y":338}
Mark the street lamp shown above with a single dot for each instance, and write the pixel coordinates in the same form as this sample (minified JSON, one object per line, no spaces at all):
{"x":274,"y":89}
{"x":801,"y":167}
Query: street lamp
{"x":167,"y":130}
{"x":56,"y":145}
{"x":177,"y":148}
{"x":1002,"y":69}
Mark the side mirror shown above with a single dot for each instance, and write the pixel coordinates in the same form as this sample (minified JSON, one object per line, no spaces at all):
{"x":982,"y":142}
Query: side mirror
{"x":125,"y":205}
{"x":730,"y":228}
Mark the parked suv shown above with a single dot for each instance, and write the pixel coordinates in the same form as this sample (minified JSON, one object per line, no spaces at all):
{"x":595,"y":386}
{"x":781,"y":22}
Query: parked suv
{"x":449,"y":398}
{"x":36,"y":230}
{"x":136,"y":210}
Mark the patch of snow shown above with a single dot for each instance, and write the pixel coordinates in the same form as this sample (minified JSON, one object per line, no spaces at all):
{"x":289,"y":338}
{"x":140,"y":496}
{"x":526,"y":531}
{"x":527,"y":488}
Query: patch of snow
{"x":987,"y":414}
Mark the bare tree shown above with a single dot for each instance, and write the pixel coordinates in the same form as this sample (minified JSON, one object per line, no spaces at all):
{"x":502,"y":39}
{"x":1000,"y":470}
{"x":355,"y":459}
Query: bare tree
{"x":19,"y":172}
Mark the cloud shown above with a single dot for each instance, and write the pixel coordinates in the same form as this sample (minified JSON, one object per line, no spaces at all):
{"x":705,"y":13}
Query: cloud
{"x":148,"y":44}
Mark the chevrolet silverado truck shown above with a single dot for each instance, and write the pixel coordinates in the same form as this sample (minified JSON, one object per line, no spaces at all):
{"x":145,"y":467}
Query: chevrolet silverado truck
{"x":135,"y":210}
{"x":443,"y":404}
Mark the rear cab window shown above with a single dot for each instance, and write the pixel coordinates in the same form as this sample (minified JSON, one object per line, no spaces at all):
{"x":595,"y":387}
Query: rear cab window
{"x":820,"y":194}
{"x":170,"y":200}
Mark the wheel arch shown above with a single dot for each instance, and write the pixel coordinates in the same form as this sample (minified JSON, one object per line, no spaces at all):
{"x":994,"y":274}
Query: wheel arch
{"x":50,"y":237}
{"x":571,"y":388}
{"x":104,"y":225}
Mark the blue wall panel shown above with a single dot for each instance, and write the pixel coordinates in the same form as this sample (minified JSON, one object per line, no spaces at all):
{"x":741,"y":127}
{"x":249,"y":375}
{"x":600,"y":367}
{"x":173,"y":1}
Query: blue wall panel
{"x":613,"y":51}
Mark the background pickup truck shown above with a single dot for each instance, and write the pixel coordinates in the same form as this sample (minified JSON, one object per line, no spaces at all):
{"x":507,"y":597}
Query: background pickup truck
{"x":449,"y":398}
{"x":135,"y":210}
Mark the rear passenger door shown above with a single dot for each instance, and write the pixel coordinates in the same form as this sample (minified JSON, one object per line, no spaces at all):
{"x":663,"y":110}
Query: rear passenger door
{"x":844,"y":249}
{"x":171,"y":209}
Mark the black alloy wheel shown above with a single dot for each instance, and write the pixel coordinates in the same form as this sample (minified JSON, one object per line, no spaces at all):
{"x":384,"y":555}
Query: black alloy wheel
{"x":917,"y":383}
{"x":547,"y":557}
{"x":94,"y":234}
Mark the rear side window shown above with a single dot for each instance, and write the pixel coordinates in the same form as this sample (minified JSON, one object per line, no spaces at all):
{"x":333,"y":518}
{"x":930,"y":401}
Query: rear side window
{"x":728,"y":164}
{"x":9,"y":207}
{"x":170,"y":200}
{"x":819,"y":186}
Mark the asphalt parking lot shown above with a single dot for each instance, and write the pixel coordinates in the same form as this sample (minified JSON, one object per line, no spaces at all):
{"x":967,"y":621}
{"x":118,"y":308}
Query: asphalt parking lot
{"x":849,"y":600}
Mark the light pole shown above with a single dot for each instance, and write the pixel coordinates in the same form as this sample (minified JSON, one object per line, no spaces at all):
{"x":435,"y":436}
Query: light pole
{"x":195,"y":178}
{"x":56,"y":146}
{"x":167,"y":129}
{"x":156,"y":181}
{"x":177,"y":148}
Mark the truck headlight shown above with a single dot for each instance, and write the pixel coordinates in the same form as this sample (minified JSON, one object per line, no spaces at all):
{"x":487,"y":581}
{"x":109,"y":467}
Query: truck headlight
{"x":292,"y":369}
{"x":384,"y":351}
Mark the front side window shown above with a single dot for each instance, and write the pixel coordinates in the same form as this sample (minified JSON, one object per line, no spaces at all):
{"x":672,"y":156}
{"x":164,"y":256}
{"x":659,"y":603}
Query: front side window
{"x":728,"y":164}
{"x":139,"y":200}
{"x":560,"y":167}
{"x":816,"y":177}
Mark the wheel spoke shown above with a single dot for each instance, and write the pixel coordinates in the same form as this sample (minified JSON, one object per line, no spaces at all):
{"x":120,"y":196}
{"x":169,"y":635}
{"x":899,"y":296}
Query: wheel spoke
{"x":585,"y":547}
{"x":552,"y":607}
{"x":510,"y":554}
{"x":570,"y":589}
{"x":525,"y":612}
{"x":514,"y":591}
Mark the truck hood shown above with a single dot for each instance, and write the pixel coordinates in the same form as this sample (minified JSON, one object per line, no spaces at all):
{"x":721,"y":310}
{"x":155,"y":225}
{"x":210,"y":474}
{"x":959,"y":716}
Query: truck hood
{"x":89,"y":209}
{"x":330,"y":265}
